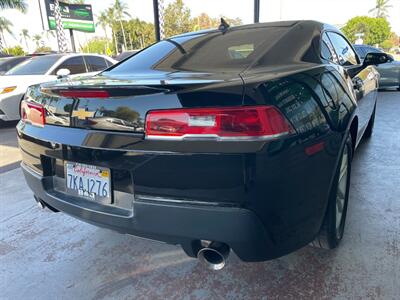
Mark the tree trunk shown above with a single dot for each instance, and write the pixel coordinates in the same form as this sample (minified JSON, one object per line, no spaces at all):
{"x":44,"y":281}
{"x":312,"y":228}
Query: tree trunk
{"x":130,"y":39}
{"x":105,"y":32}
{"x":26,"y":44}
{"x":115,"y":42}
{"x":3,"y":39}
{"x":123,"y":34}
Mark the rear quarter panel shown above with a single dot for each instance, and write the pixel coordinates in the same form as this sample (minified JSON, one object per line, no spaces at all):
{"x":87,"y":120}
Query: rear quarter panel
{"x":292,"y":187}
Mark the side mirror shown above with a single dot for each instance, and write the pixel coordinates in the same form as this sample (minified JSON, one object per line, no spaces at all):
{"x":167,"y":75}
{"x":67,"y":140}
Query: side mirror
{"x":63,"y":73}
{"x":374,"y":58}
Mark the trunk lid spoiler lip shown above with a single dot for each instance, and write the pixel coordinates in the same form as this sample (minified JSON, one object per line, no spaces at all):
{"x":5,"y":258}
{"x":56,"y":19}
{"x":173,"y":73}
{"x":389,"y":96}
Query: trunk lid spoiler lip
{"x":115,"y":91}
{"x":129,"y":87}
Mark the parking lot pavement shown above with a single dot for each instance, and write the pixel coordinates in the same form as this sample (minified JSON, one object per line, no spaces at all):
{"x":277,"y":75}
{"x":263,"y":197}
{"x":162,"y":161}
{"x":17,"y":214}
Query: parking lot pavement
{"x":9,"y":153}
{"x":44,"y":255}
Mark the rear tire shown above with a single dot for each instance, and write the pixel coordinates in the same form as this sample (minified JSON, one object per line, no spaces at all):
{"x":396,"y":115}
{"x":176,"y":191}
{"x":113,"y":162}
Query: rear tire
{"x":370,"y":128}
{"x":332,"y":228}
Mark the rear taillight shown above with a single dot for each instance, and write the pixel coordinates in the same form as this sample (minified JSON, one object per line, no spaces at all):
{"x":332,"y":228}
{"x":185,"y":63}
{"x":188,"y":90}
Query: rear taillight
{"x":233,"y":123}
{"x":33,"y":113}
{"x":84,"y":93}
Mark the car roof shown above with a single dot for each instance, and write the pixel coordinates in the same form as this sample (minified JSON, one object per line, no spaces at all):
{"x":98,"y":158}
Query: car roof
{"x":364,"y":46}
{"x":302,"y":35}
{"x":61,"y":57}
{"x":309,"y":23}
{"x":70,"y":54}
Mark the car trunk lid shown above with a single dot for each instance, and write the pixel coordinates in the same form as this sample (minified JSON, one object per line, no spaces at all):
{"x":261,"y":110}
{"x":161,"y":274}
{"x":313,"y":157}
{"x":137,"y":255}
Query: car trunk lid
{"x":121,"y":103}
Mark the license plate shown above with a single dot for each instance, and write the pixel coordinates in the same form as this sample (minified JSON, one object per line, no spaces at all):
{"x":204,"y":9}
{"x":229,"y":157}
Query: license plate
{"x":87,"y":181}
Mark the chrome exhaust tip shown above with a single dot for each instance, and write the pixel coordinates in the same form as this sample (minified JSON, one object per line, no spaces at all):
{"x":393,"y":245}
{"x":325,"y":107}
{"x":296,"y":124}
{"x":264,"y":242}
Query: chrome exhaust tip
{"x":214,"y":256}
{"x":40,"y":203}
{"x":43,"y":204}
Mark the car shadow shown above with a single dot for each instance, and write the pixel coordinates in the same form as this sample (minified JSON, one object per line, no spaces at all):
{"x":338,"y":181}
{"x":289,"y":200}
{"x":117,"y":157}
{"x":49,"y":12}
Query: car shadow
{"x":8,"y":124}
{"x":153,"y":270}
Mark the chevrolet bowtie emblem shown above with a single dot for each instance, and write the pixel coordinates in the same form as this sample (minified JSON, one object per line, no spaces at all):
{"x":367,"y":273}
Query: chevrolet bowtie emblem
{"x":82,"y":114}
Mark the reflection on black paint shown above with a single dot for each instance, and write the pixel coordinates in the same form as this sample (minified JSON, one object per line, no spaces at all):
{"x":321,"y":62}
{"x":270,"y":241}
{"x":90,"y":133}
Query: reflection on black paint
{"x":298,"y":104}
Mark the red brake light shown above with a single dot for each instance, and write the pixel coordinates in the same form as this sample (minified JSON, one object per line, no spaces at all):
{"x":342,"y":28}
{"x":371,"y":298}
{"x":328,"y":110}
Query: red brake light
{"x":84,"y":93}
{"x":230,"y":123}
{"x":33,"y":113}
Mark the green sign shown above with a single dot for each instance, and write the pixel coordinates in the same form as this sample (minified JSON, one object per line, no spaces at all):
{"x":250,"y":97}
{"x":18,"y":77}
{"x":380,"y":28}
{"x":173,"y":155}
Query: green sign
{"x":73,"y":16}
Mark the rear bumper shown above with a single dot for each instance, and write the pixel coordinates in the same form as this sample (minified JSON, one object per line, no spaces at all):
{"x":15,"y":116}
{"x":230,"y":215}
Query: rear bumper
{"x":180,"y":224}
{"x":263,"y":201}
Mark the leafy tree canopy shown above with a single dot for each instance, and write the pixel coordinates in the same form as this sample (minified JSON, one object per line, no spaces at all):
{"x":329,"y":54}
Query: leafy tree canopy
{"x":381,"y":8}
{"x":97,"y":45}
{"x":387,"y":44}
{"x":43,"y":49}
{"x":14,"y":4}
{"x":204,"y":21}
{"x":15,"y":51}
{"x":139,"y":34}
{"x":375,"y":30}
{"x":177,"y":19}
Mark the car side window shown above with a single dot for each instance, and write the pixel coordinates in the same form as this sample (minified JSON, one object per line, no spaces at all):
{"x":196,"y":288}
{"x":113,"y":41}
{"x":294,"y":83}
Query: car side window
{"x":344,"y":52}
{"x":327,"y":50}
{"x":75,"y":65}
{"x":95,"y":63}
{"x":109,"y":63}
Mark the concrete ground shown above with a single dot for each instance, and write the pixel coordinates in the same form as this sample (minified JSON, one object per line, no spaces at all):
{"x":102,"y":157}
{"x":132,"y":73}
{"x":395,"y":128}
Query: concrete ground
{"x":53,"y":256}
{"x":9,"y":152}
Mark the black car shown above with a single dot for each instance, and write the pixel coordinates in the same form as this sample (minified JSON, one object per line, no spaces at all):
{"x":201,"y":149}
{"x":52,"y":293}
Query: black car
{"x":238,"y":138}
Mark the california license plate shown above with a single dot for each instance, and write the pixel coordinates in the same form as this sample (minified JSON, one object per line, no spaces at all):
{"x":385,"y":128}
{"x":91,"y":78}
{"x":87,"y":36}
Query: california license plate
{"x":87,"y":181}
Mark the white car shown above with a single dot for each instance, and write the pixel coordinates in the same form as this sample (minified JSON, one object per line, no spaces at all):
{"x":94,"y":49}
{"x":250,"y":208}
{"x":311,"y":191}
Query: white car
{"x":42,"y":69}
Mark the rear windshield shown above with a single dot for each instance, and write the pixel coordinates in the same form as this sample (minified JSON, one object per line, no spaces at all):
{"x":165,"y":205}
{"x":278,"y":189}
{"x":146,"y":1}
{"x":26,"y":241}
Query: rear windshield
{"x":203,"y":52}
{"x":38,"y":65}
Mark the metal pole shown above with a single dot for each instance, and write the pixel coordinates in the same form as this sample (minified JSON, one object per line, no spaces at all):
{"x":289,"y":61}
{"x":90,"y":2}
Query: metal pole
{"x":256,"y":11}
{"x":61,"y":40}
{"x":161,"y":18}
{"x":41,"y":14}
{"x":156,"y":20}
{"x":71,"y":35}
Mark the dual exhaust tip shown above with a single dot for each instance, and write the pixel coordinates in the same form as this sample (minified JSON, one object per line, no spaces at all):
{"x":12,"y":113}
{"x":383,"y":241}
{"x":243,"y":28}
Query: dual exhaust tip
{"x":213,"y":255}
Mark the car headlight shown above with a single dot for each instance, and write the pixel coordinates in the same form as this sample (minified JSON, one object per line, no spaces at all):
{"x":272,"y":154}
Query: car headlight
{"x":8,"y":89}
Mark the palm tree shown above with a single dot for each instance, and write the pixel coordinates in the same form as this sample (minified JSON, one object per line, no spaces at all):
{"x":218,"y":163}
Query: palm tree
{"x":14,"y":4}
{"x":37,"y":38}
{"x":5,"y":26}
{"x":9,"y":4}
{"x":103,"y":22}
{"x":111,"y":17}
{"x":24,"y":36}
{"x":120,"y":12}
{"x":49,"y":33}
{"x":381,"y":8}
